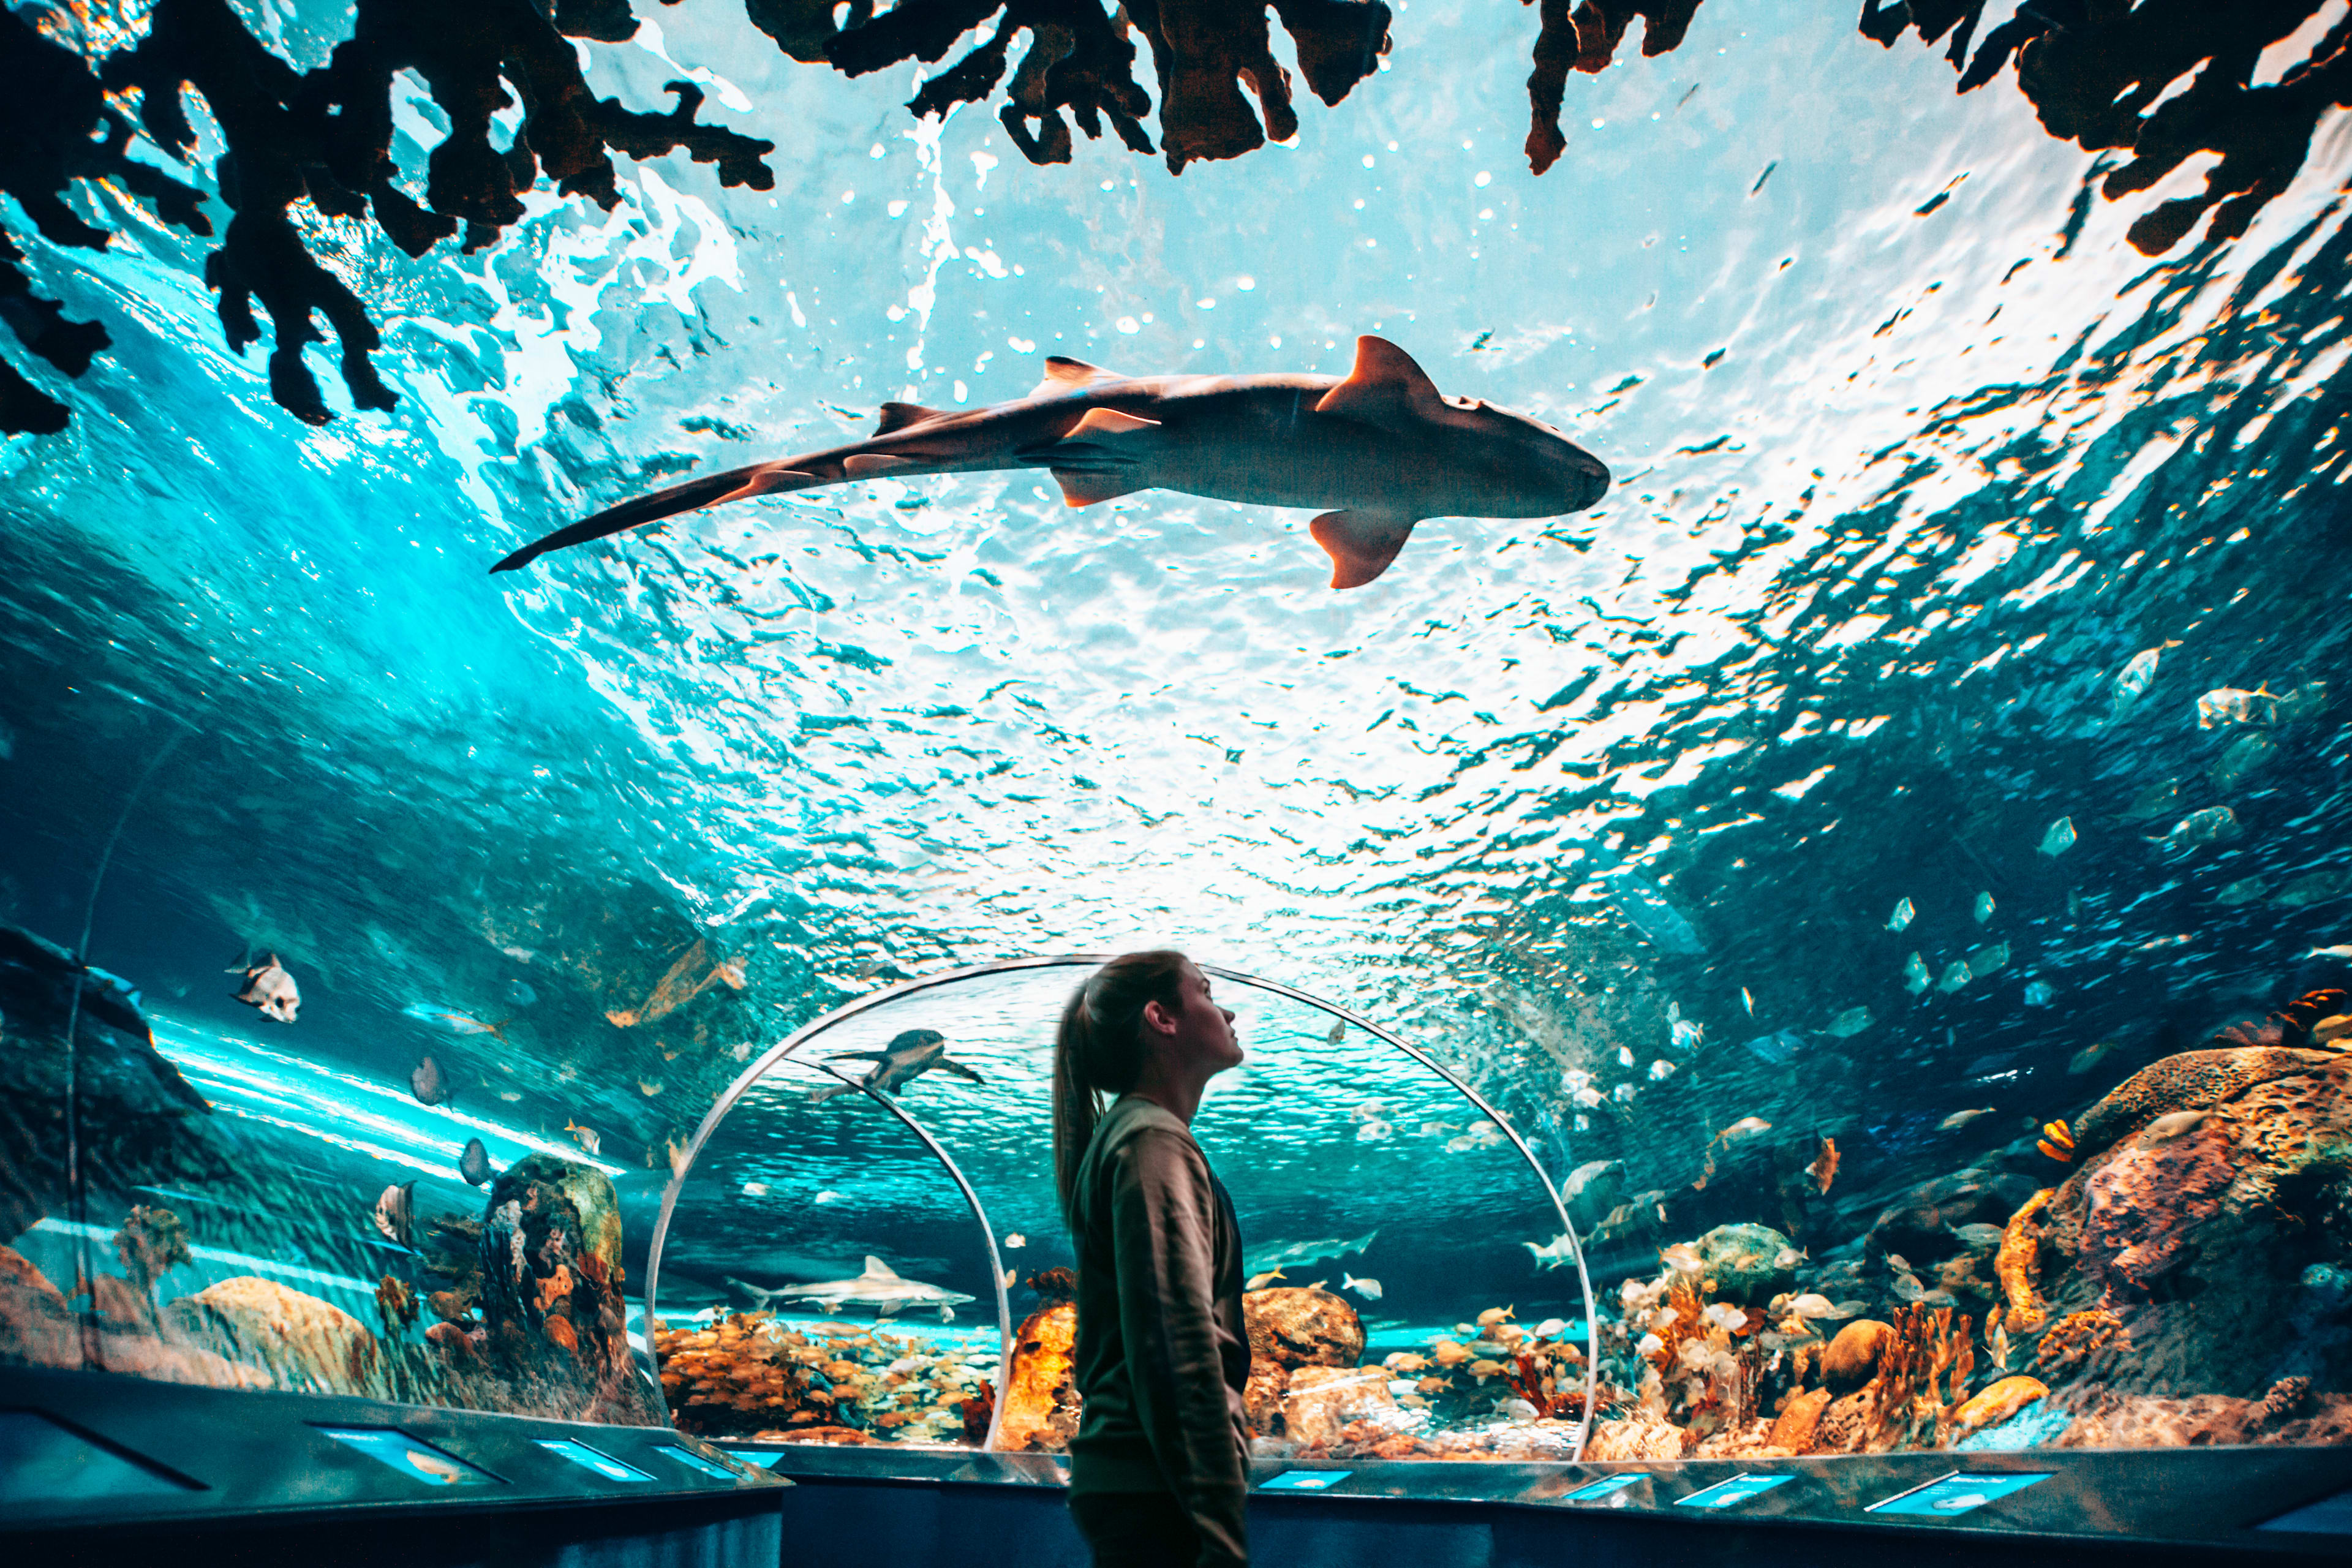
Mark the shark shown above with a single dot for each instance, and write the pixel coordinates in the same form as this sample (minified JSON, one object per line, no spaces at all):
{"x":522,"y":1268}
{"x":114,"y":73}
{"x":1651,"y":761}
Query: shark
{"x":911,"y":1054}
{"x":878,"y":1288}
{"x":1376,"y":452}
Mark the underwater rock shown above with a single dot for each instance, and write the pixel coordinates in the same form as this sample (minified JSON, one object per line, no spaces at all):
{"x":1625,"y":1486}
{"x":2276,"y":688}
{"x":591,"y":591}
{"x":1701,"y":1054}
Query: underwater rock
{"x":1998,"y":1403}
{"x":307,"y":1345}
{"x":1744,"y":1263}
{"x":1322,"y":1400}
{"x":1293,"y":1327}
{"x":1040,"y":1397}
{"x":1262,"y":1395}
{"x":40,"y":1328}
{"x":1851,"y":1358}
{"x":554,"y":1321}
{"x":1793,"y":1429}
{"x":2142,"y":1206}
{"x":2186,"y":1080}
{"x":2105,"y":1419}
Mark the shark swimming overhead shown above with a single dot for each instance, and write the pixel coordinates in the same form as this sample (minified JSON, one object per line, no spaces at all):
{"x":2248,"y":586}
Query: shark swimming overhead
{"x":1382,"y":449}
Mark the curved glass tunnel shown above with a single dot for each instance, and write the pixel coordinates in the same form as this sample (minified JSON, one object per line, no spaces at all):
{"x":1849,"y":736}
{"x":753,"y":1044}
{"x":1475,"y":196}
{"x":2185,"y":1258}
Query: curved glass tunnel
{"x":1413,"y":1291}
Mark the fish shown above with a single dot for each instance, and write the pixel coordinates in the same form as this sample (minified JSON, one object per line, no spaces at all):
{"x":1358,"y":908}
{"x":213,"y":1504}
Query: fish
{"x":2155,"y":800}
{"x":396,"y":1213}
{"x":1747,"y":1001}
{"x":2227,"y":705}
{"x":269,"y":989}
{"x":2245,"y":891}
{"x":1745,"y":1128}
{"x":1375,"y":1132}
{"x":878,"y":1288}
{"x":1661,"y":1070}
{"x":474,"y":1164}
{"x":1494,"y":1315}
{"x":519,"y":993}
{"x":1405,"y":1362}
{"x":1007,"y":1279}
{"x":2247,"y":753}
{"x":2172,"y":1124}
{"x":1292,"y":1252}
{"x":1682,"y":1257}
{"x":909,"y":1056}
{"x":2133,"y":682}
{"x":1261,"y":1281}
{"x":1987,"y":960}
{"x":429,"y":1084}
{"x":1552,"y":1254}
{"x":1959,"y":1119}
{"x":650,"y":1087}
{"x":1810,"y":1305}
{"x":1688,"y":1036}
{"x":1370,"y":1289}
{"x":1487,"y":1367}
{"x":756,"y":1189}
{"x":1448,"y":1353}
{"x":2199,"y":828}
{"x":1551,"y":1328}
{"x":1825,"y":1163}
{"x":1647,"y":911}
{"x":1015,"y":1239}
{"x":2059,"y":839}
{"x":1983,"y":908}
{"x":678,"y":986}
{"x":452,"y":1021}
{"x":2037,"y":993}
{"x":1955,"y":976}
{"x":1338,"y":1032}
{"x":1998,"y":1343}
{"x":1904,"y":915}
{"x":1383,"y":448}
{"x":2089,"y":1057}
{"x":1915,"y":975}
{"x":1850,"y":1023}
{"x":584,"y":1136}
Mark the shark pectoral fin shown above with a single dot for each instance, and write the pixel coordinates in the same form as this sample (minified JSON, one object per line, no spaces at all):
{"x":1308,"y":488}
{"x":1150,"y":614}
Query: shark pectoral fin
{"x":1110,"y":422}
{"x":898,"y":415}
{"x":1359,"y":544}
{"x":960,"y":1070}
{"x":1080,"y":488}
{"x":874,"y":465}
{"x":1385,"y":388}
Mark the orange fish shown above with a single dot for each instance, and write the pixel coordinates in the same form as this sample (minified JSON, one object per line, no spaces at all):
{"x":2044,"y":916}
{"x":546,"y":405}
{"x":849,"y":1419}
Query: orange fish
{"x":2056,"y":1141}
{"x":1825,"y":1163}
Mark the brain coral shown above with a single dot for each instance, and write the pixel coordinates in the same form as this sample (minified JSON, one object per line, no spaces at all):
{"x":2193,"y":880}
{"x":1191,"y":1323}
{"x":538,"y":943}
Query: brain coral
{"x":2186,"y":1081}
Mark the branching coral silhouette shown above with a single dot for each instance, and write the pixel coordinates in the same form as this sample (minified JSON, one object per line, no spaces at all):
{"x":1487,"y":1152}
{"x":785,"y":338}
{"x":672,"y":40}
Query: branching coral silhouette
{"x":2105,"y":74}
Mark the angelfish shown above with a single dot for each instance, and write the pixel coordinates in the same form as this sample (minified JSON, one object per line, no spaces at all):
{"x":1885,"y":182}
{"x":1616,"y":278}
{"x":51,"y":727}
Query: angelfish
{"x":267,"y":988}
{"x":1383,"y":449}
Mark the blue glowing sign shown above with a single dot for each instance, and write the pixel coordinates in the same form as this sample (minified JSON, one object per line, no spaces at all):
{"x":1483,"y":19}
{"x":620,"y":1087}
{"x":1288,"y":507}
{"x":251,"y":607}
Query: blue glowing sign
{"x":1955,"y":1494}
{"x":1608,"y":1486}
{"x":1731,"y":1493}
{"x":581,"y":1454}
{"x":417,"y":1461}
{"x":693,"y":1461}
{"x":1303,"y":1482}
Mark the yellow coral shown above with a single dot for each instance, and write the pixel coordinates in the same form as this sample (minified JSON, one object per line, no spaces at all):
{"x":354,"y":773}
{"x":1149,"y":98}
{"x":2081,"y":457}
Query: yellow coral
{"x":1998,"y":1404}
{"x":2018,"y":1263}
{"x":2077,"y":1337}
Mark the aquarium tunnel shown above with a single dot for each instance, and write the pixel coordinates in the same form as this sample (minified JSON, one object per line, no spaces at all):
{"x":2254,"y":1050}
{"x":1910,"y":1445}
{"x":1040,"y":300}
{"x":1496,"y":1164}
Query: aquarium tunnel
{"x":1724,"y":625}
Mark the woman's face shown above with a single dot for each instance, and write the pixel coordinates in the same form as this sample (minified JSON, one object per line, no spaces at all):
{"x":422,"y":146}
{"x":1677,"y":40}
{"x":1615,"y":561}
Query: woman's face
{"x":1204,"y":1031}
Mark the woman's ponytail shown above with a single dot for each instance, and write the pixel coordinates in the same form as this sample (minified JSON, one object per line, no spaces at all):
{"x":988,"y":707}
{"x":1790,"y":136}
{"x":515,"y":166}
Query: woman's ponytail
{"x":1098,"y":1049}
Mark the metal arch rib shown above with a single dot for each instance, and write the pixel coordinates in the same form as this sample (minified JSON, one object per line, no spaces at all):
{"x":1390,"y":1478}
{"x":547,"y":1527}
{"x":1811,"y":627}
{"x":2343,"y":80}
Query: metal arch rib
{"x":810,"y":1031}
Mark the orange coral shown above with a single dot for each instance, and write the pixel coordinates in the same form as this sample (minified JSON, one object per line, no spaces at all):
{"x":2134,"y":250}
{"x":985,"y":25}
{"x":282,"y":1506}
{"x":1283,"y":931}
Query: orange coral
{"x":2077,"y":1337}
{"x":2018,"y":1264}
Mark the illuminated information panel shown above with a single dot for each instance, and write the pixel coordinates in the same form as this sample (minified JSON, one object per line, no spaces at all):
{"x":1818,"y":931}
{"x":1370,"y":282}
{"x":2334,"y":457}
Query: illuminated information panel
{"x":589,"y":1458}
{"x":1733,"y":1492}
{"x":417,"y":1460}
{"x":1955,"y":1494}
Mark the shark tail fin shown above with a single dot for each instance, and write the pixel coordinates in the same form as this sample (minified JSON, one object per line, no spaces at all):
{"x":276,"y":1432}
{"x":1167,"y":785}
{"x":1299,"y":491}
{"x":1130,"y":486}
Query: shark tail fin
{"x":736,"y":484}
{"x":878,"y":1269}
{"x":1359,"y":544}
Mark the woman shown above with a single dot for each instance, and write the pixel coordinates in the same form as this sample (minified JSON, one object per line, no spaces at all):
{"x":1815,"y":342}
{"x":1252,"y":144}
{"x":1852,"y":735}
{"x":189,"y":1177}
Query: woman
{"x":1159,"y":1470}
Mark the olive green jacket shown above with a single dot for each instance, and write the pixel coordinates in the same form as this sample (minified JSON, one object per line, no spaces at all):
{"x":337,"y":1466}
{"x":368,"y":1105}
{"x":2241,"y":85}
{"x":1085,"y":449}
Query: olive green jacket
{"x":1162,"y":1355}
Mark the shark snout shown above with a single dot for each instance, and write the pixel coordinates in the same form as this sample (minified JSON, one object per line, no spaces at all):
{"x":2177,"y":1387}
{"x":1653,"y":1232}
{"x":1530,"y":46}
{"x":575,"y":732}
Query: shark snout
{"x":1587,"y":479}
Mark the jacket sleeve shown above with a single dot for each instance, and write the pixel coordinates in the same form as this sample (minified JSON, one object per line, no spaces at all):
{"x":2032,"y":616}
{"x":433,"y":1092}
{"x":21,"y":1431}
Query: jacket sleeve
{"x":1163,"y":1228}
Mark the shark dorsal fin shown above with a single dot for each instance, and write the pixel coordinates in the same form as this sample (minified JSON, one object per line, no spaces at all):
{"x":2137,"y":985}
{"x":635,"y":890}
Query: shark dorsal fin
{"x":1069,"y":374}
{"x":898,"y":415}
{"x":1386,"y":382}
{"x":878,"y":1269}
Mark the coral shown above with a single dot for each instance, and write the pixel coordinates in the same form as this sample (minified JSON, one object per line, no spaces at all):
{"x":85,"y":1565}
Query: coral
{"x":305,"y":1344}
{"x":1295,"y":1327}
{"x":2142,"y":1204}
{"x":2288,"y":1398}
{"x":396,"y":1303}
{"x":1998,"y":1403}
{"x":2105,"y":1419}
{"x":1041,"y":1399}
{"x":2018,"y":1264}
{"x":150,"y":1243}
{"x":1640,"y":1435}
{"x":1320,"y":1400}
{"x":2076,"y":1337}
{"x":2186,"y":1080}
{"x":1793,"y":1428}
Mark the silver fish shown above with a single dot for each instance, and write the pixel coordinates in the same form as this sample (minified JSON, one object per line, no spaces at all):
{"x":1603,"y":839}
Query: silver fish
{"x":1959,"y":1119}
{"x":396,"y":1213}
{"x":1370,"y":1289}
{"x":269,"y":988}
{"x":474,"y":1164}
{"x":429,"y":1084}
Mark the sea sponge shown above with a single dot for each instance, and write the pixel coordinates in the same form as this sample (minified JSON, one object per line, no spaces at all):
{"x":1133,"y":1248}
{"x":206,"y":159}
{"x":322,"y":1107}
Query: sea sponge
{"x":1642,"y":1435}
{"x":2018,"y":1264}
{"x":1852,"y":1358}
{"x":2077,"y":1337}
{"x":2141,"y":1207}
{"x":1793,"y":1430}
{"x":2186,"y":1080}
{"x":1998,"y":1404}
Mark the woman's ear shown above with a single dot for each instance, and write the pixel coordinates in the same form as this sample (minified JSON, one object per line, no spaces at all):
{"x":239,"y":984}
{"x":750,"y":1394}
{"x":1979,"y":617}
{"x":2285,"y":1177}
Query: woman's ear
{"x":1158,"y":1018}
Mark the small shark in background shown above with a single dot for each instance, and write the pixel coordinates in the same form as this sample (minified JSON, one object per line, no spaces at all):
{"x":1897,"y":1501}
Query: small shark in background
{"x":1382,"y":447}
{"x":907,"y":1057}
{"x":878,"y":1288}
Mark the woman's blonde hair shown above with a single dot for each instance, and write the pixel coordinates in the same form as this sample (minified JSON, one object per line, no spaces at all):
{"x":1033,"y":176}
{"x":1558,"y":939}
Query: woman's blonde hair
{"x":1098,"y":1049}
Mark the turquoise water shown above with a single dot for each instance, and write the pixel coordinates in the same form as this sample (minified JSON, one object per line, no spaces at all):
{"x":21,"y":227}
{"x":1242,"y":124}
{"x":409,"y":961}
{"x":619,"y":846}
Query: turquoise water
{"x":1938,"y":507}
